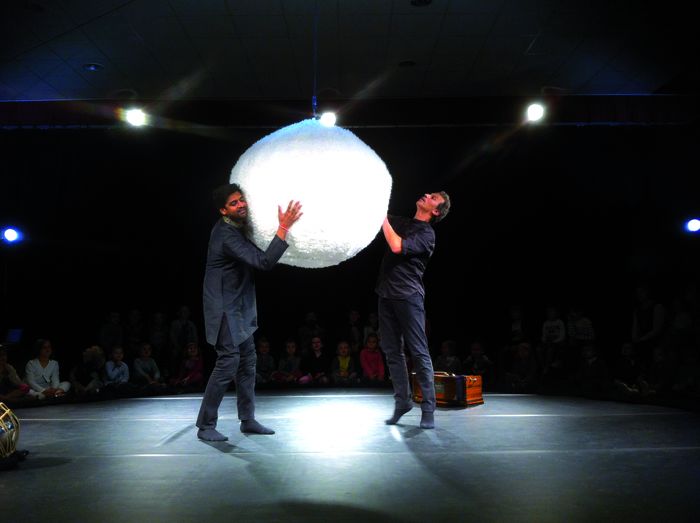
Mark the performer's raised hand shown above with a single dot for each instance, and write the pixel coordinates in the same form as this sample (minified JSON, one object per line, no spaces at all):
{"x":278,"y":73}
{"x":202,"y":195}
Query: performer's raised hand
{"x":288,"y":218}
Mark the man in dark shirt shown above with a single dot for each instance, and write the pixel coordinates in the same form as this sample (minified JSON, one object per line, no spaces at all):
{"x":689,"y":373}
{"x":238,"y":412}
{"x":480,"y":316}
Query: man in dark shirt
{"x":401,"y":302}
{"x":230,"y":315}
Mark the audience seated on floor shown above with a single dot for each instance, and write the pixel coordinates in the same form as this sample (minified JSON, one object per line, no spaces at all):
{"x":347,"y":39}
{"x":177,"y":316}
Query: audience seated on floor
{"x":42,"y":373}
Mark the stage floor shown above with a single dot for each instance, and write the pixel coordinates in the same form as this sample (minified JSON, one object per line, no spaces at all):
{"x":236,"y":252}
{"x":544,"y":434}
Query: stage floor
{"x":515,"y":458}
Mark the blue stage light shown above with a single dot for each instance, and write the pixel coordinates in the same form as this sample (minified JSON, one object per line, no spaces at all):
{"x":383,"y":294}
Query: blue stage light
{"x":11,"y":235}
{"x":693,"y":225}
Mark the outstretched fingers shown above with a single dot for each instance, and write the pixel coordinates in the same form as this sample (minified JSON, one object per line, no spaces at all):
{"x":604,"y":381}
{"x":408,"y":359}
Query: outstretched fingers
{"x":291,"y":215}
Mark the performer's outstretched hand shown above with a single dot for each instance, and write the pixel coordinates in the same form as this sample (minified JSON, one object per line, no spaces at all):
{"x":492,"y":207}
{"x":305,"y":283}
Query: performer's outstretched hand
{"x":288,"y":217}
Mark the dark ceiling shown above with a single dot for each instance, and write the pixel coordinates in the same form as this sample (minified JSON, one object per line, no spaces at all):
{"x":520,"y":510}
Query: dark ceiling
{"x":367,"y":49}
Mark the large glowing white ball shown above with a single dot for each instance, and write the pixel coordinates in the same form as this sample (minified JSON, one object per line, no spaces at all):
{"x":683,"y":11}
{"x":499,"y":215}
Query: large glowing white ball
{"x":342,"y":184}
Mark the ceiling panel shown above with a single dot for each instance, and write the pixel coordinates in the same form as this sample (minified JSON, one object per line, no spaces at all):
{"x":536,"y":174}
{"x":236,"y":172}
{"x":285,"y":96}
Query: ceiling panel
{"x":365,"y":7}
{"x":356,"y":26}
{"x":501,"y":53}
{"x":209,"y":27}
{"x":256,"y":26}
{"x":475,"y":6}
{"x":81,"y":11}
{"x":144,"y":44}
{"x":199,"y":8}
{"x":413,"y":25}
{"x":17,"y":77}
{"x":419,"y":50}
{"x":254,"y":7}
{"x":436,"y":7}
{"x":471,"y":24}
{"x":40,"y":91}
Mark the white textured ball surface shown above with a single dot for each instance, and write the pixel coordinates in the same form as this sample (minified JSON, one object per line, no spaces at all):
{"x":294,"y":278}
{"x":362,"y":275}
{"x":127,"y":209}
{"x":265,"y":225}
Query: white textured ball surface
{"x":342,"y":184}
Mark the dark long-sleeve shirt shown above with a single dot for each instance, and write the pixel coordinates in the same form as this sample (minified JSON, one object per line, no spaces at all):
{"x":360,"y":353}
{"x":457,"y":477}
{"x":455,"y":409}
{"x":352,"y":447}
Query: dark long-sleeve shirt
{"x":401,"y":275}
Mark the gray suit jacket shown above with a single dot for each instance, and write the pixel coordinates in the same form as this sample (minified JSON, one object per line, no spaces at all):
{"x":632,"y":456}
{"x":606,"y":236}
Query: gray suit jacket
{"x":229,"y":287}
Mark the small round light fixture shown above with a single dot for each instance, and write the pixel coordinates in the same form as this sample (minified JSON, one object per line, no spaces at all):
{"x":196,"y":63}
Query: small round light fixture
{"x":535,"y":112}
{"x":135,"y":117}
{"x":93,"y":67}
{"x":693,"y":225}
{"x":327,"y":119}
{"x":11,"y":235}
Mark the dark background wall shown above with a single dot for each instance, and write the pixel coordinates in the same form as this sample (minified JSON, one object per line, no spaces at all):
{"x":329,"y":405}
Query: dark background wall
{"x":119,"y":218}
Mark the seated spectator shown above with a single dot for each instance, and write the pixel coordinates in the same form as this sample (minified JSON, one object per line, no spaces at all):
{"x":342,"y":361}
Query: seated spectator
{"x":686,"y":382}
{"x":371,"y":326}
{"x":628,"y":371}
{"x":86,"y":376}
{"x":648,"y":323}
{"x":288,"y":369}
{"x":448,"y":361}
{"x":42,"y":373}
{"x":352,"y":331}
{"x":553,"y":341}
{"x":310,"y":328}
{"x":343,"y":366}
{"x":516,"y":333}
{"x":265,"y":363}
{"x":372,"y":362}
{"x":477,"y":363}
{"x":593,"y":377}
{"x":579,"y":330}
{"x":11,"y":387}
{"x":146,"y":371}
{"x":316,"y":366}
{"x":191,"y":375}
{"x":661,"y":372}
{"x":116,"y":376}
{"x":522,"y":375}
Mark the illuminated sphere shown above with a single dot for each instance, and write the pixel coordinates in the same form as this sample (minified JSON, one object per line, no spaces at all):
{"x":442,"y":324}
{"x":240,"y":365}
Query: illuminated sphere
{"x":342,"y":184}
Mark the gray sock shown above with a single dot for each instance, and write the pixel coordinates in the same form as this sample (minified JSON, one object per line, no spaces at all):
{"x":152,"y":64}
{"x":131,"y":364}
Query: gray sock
{"x":250,"y":426}
{"x":427,"y":420}
{"x":211,"y":435}
{"x":396,"y":416}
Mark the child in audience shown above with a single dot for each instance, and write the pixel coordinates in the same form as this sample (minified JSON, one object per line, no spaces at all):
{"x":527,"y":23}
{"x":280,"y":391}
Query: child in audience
{"x":288,"y":368}
{"x":191,"y":374}
{"x":265,"y":364}
{"x":42,"y":373}
{"x":372,"y":361}
{"x":85,"y":377}
{"x":448,"y":360}
{"x":11,"y":387}
{"x":146,"y":371}
{"x":343,"y":365}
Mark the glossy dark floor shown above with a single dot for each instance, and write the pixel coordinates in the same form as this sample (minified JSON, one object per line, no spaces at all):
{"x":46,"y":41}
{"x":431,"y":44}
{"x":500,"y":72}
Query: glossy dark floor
{"x":515,"y":458}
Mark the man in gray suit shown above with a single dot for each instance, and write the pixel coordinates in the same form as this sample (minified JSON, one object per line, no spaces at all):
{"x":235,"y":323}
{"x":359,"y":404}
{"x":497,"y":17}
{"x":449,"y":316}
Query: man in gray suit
{"x":230,"y":313}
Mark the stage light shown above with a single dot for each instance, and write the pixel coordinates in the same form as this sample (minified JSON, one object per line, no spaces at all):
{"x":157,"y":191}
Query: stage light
{"x":93,"y":67}
{"x":535,"y":112}
{"x":11,"y":235}
{"x":342,"y":184}
{"x":693,"y":225}
{"x":328,"y":119}
{"x":136,"y":117}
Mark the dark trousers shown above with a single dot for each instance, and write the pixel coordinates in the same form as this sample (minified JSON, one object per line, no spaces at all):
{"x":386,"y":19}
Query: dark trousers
{"x":232,"y":363}
{"x":405,"y":319}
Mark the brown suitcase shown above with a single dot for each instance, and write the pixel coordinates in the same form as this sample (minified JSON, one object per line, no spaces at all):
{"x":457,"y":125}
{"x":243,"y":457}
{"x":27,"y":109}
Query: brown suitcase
{"x":453,"y":390}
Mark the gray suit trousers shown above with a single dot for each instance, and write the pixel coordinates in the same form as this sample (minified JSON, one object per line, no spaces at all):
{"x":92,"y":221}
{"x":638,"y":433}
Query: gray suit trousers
{"x":404,"y":320}
{"x":232,"y":363}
